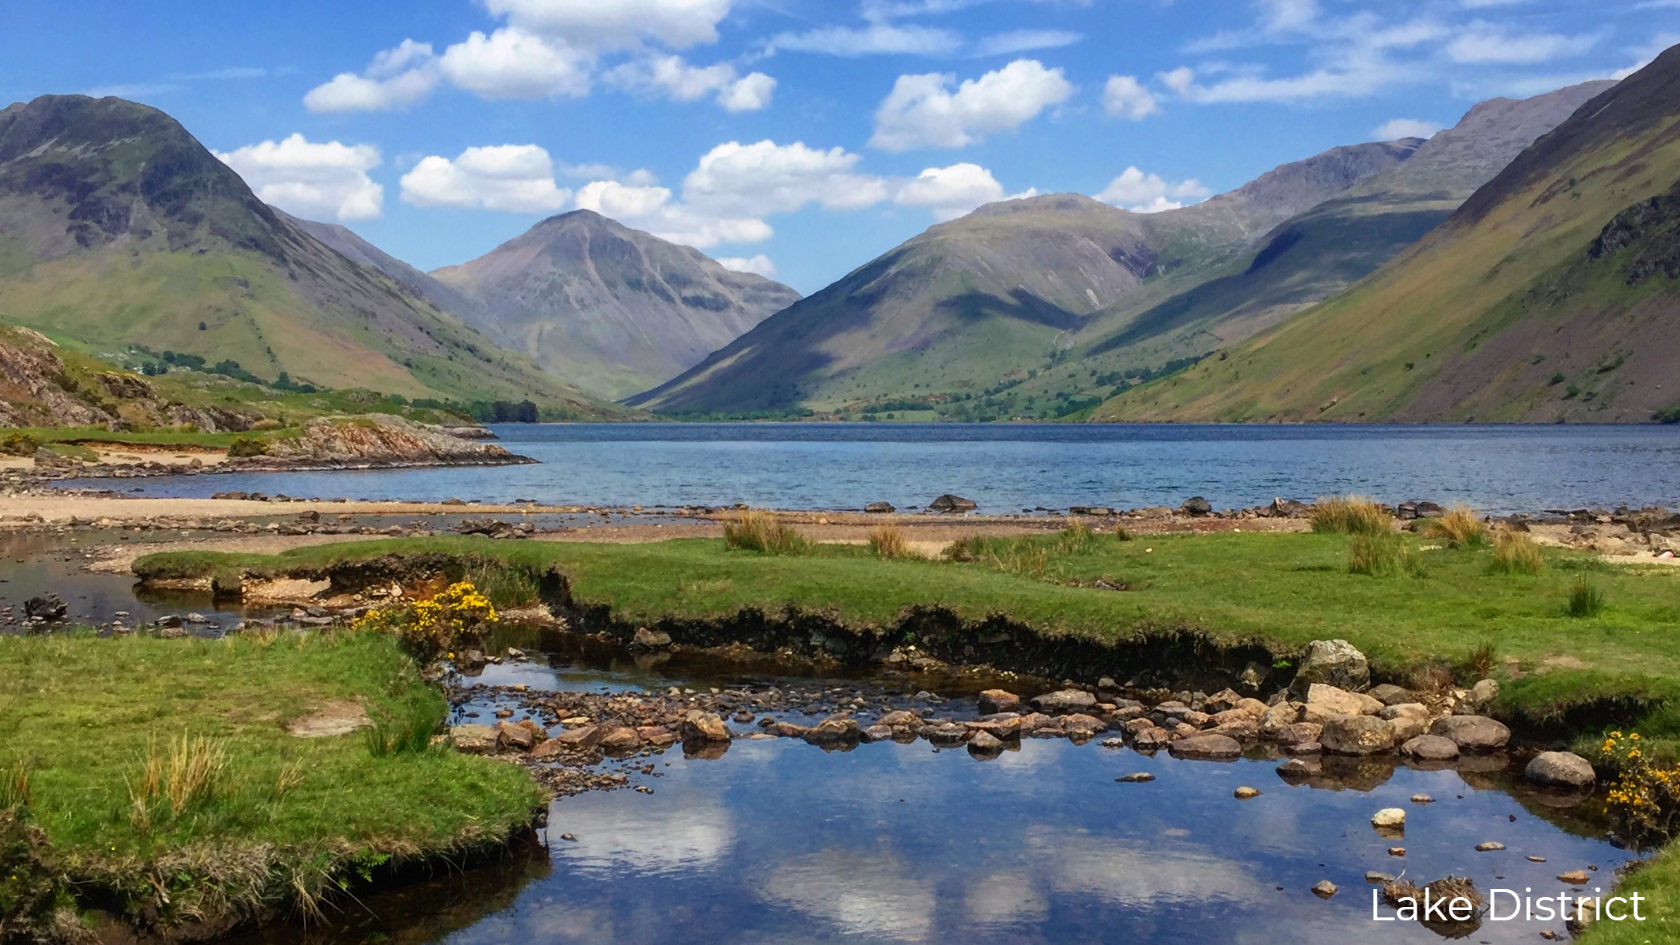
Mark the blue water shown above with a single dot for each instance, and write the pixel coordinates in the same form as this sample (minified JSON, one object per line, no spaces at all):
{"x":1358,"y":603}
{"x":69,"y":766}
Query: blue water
{"x":1008,"y":468}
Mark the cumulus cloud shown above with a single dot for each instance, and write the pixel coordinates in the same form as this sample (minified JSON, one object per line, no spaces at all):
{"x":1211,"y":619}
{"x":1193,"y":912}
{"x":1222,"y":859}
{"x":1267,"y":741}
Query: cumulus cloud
{"x":654,"y":210}
{"x":511,"y":63}
{"x":1484,"y":42}
{"x":1125,"y":97}
{"x":672,"y":77}
{"x":516,"y":178}
{"x":1397,"y":128}
{"x":396,"y":78}
{"x":950,"y":192}
{"x":766,"y":177}
{"x":923,"y":110}
{"x":1019,"y":41}
{"x":315,"y":181}
{"x":616,"y":24}
{"x":759,"y":265}
{"x":1149,"y":193}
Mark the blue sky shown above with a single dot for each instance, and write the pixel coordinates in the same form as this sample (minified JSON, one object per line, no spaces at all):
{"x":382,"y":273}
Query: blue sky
{"x":799,"y":137}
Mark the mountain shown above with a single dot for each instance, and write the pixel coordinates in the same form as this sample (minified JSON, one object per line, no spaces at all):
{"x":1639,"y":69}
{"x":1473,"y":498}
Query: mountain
{"x":119,"y":229}
{"x":609,"y":308}
{"x":970,"y":302}
{"x":1547,"y":296}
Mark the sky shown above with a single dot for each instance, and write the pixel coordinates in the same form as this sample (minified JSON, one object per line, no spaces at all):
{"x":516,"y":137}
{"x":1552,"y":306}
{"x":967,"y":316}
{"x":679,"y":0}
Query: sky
{"x":795,"y":138}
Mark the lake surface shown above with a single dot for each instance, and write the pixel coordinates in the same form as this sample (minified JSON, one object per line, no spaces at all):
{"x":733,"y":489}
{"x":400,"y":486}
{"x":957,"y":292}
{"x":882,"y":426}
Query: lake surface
{"x":1008,"y":468}
{"x":780,"y":842}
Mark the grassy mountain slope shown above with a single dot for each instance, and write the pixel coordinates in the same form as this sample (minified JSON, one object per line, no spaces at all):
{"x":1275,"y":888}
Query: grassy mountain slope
{"x":118,"y":228}
{"x":612,"y":309}
{"x":972,"y":301}
{"x":1514,"y":309}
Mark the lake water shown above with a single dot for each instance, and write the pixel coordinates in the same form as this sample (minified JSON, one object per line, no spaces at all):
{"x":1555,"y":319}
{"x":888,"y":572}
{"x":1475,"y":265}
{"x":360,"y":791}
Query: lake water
{"x":1008,"y":468}
{"x":781,"y":842}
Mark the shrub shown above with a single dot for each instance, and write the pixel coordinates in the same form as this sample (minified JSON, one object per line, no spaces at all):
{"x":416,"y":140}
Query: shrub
{"x":1585,"y":599}
{"x":267,"y":423}
{"x":1516,"y":553}
{"x":1644,"y":798}
{"x":972,"y":548}
{"x":19,"y":444}
{"x":888,"y":542}
{"x":764,"y":533}
{"x":245,"y":447}
{"x":1459,"y":528}
{"x":1121,"y":533}
{"x":1349,"y":515}
{"x":1386,"y":555}
{"x":427,"y":627}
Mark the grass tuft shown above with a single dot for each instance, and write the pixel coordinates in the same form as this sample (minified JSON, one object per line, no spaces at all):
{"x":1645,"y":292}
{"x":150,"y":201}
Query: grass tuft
{"x":764,"y":533}
{"x":1516,"y":553}
{"x":408,"y":732}
{"x":14,"y":786}
{"x":888,"y":543}
{"x":1384,"y":555}
{"x":1585,"y":599}
{"x":1349,"y":515}
{"x":1482,"y":659}
{"x":1076,"y":538}
{"x":1459,"y":528}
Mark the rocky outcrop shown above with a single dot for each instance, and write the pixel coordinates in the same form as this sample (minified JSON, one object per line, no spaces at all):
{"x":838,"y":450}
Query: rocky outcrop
{"x":381,"y":440}
{"x":34,"y":390}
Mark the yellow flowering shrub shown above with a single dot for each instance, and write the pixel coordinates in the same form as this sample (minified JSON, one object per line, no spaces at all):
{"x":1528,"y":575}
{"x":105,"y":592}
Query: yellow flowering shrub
{"x":428,"y":626}
{"x":1644,"y":800}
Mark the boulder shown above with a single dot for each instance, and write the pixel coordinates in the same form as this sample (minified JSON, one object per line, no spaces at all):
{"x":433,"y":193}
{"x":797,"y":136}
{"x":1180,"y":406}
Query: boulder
{"x":703,"y":727}
{"x":49,"y":607}
{"x":1404,"y":710}
{"x":900,"y":718}
{"x":582,"y":738}
{"x":1391,"y":695}
{"x":1472,"y":732}
{"x":1083,"y":726}
{"x":944,"y":733}
{"x":1560,"y":769}
{"x":1336,"y":663}
{"x":880,"y":508}
{"x":519,"y":736}
{"x":478,"y":739}
{"x":1430,"y":748}
{"x":646,"y":639}
{"x":1408,"y":727}
{"x":621,"y":741}
{"x":1480,"y":696}
{"x":1196,"y":505}
{"x":1278,"y":718}
{"x":1206,"y":746}
{"x":1334,"y":700}
{"x":1300,"y":733}
{"x":953,"y":503}
{"x":1357,"y":735}
{"x":993,"y":701}
{"x":834,"y":730}
{"x":1221,"y":701}
{"x":1154,"y":739}
{"x":984,"y":743}
{"x":1389,"y":818}
{"x":1065,"y":700}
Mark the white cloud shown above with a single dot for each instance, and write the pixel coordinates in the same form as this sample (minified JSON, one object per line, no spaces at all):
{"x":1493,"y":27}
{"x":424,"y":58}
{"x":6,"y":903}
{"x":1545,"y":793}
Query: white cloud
{"x":923,"y":111}
{"x":1397,"y":128}
{"x":397,"y":78}
{"x":511,"y":63}
{"x":765,"y":178}
{"x":617,"y":24}
{"x":1125,"y":97}
{"x":315,"y":181}
{"x":951,"y":192}
{"x":1149,"y":193}
{"x":1484,"y":42}
{"x":1019,"y":41}
{"x":674,"y":78}
{"x":652,"y":209}
{"x":759,"y":265}
{"x":516,"y":178}
{"x":1357,"y":82}
{"x":874,"y":39}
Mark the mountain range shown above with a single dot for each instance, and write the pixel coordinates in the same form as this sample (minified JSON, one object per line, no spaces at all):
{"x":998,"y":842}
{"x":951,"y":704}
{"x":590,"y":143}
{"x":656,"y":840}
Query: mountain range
{"x":1549,"y":295}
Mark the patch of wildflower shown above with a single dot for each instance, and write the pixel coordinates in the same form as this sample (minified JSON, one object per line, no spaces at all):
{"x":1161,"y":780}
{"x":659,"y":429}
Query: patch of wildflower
{"x":1644,"y":798}
{"x":428,"y":626}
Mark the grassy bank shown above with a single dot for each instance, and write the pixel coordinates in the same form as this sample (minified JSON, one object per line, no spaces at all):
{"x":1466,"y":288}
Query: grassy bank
{"x":168,"y":789}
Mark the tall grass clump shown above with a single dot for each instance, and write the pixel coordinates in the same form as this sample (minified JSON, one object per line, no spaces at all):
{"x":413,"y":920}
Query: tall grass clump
{"x":887,"y":543}
{"x":1516,"y":553}
{"x":1585,"y":599}
{"x":507,"y":585}
{"x":1076,"y":538}
{"x":1459,"y":528}
{"x":764,"y":533}
{"x":1349,"y":515}
{"x":14,"y":786}
{"x":409,"y":732}
{"x":1386,"y":555}
{"x":185,"y":775}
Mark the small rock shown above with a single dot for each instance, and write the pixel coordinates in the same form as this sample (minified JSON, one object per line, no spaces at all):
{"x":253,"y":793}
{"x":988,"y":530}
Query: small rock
{"x":1324,"y":889}
{"x":1396,"y":851}
{"x":1378,"y":878}
{"x":1390,"y":818}
{"x":1065,"y":700}
{"x":1197,"y":506}
{"x":1138,"y":777}
{"x":984,"y":743}
{"x":1575,"y":877}
{"x":1246,"y":793}
{"x":880,"y":508}
{"x":1560,"y":769}
{"x":703,"y":727}
{"x":1430,"y":748}
{"x":1357,"y":735}
{"x":1422,"y":799}
{"x":1492,"y":846}
{"x":1472,"y":732}
{"x":1206,"y":746}
{"x":993,"y":701}
{"x":1536,"y":859}
{"x":953,"y":503}
{"x":645,"y":639}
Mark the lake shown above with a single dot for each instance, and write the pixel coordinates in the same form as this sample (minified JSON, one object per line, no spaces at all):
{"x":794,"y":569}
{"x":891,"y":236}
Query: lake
{"x":1009,"y":468}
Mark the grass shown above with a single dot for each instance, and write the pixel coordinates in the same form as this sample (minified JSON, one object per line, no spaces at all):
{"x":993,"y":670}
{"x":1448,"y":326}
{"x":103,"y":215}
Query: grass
{"x":1516,"y":553}
{"x":888,"y":543}
{"x":172,"y":786}
{"x":1349,"y":515}
{"x":1382,"y":555}
{"x":1585,"y":600}
{"x":763,"y":532}
{"x":1459,"y":528}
